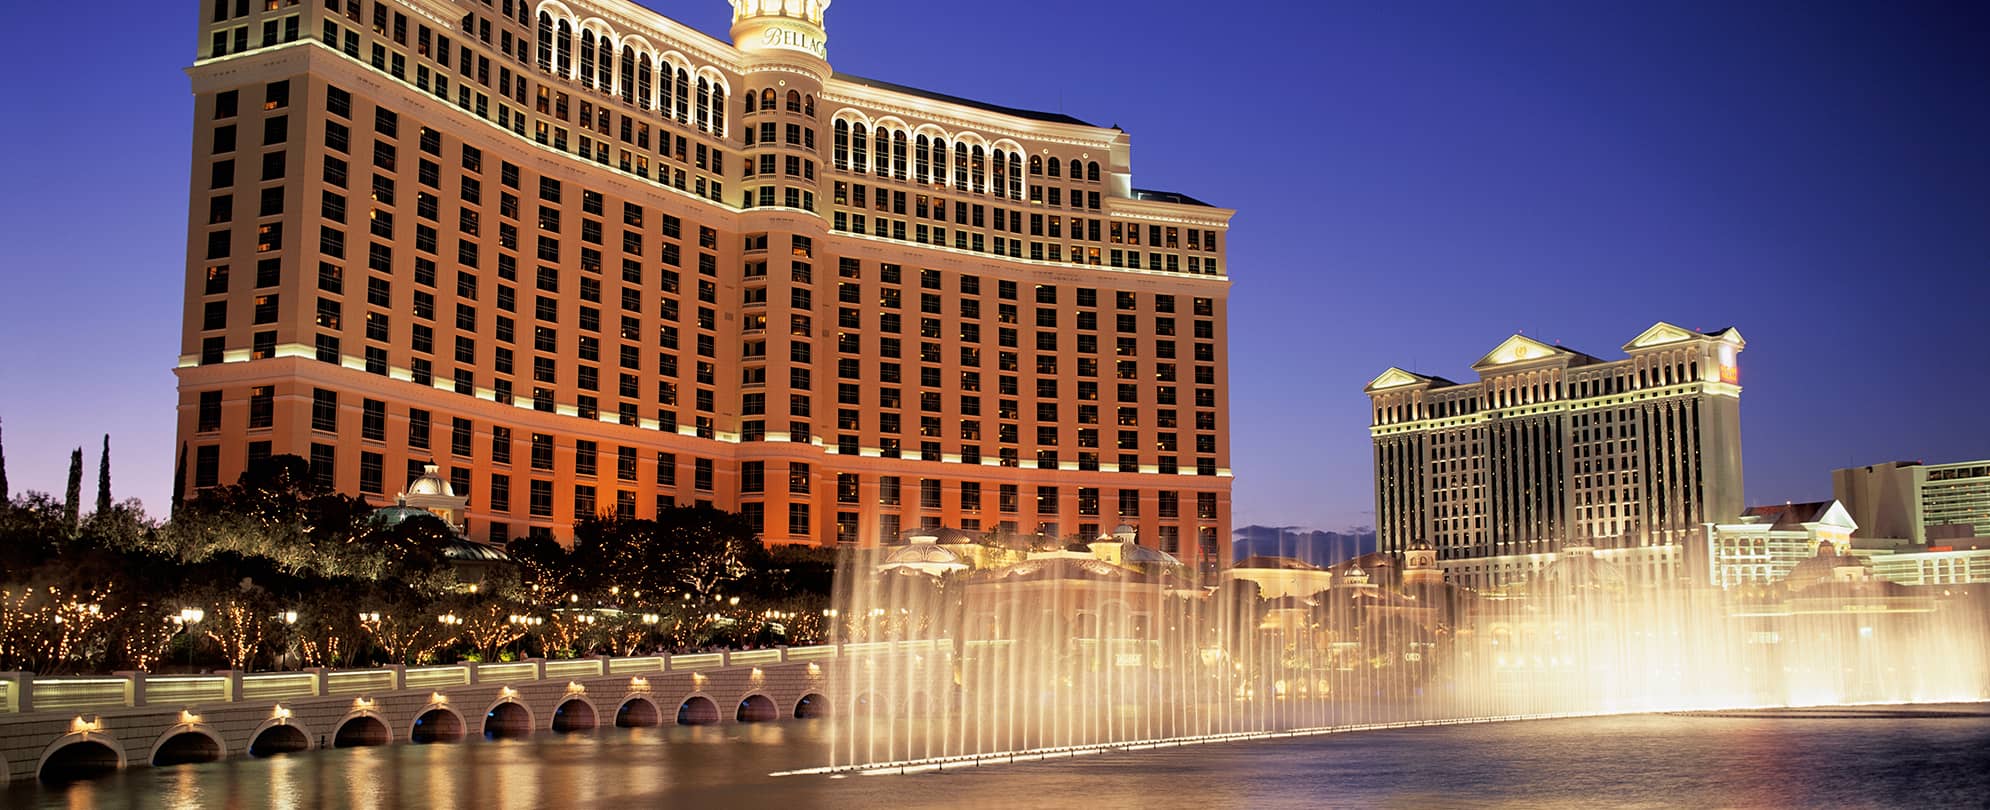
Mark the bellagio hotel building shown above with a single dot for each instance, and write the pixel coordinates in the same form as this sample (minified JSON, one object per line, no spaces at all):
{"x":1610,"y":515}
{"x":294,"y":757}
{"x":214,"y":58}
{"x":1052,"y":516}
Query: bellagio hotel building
{"x":1552,"y":449}
{"x":588,"y":260}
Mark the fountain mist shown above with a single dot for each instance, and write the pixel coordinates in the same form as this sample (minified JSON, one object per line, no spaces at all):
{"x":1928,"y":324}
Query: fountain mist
{"x":968,"y":655}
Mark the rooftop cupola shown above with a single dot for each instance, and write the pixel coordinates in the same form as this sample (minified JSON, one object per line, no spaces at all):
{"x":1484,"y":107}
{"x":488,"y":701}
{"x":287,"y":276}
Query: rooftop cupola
{"x":769,"y":27}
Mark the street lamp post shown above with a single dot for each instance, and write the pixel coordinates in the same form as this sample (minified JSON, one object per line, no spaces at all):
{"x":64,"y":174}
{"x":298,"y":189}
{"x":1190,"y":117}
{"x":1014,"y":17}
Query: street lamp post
{"x":189,"y":617}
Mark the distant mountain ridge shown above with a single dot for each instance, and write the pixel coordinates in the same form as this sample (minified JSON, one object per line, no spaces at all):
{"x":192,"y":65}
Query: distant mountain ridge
{"x":1315,"y":546}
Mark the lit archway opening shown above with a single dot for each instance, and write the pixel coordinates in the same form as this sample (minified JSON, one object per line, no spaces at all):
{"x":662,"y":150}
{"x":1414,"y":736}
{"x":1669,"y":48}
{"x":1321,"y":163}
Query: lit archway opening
{"x":573,"y":715}
{"x":363,"y":730}
{"x":756,"y":709}
{"x":77,"y":761}
{"x":186,"y":747}
{"x":280,"y":740}
{"x":697,"y":711}
{"x":437,"y":726}
{"x":507,"y":720}
{"x":638,"y":713}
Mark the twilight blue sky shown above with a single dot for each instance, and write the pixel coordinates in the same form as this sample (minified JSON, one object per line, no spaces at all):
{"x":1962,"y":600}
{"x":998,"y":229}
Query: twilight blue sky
{"x":1415,"y":181}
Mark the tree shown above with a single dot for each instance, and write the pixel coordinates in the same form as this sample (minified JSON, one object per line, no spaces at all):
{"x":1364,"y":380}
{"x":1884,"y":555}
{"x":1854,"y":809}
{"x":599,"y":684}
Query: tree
{"x":4,"y":497}
{"x":104,"y":478}
{"x":73,"y":502}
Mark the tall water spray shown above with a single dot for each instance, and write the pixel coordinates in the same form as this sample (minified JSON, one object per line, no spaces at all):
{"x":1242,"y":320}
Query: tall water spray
{"x":965,"y":652}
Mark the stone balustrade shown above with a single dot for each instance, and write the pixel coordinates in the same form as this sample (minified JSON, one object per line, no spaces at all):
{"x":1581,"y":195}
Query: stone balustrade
{"x":59,"y":727}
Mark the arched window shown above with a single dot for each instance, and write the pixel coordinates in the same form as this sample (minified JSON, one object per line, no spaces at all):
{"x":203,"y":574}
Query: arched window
{"x":1092,"y":171}
{"x":794,"y":101}
{"x":1016,"y":177}
{"x":545,"y":41}
{"x":563,"y":48}
{"x":842,"y":153}
{"x":643,"y":76}
{"x":881,"y":159}
{"x":898,"y":154}
{"x":704,"y":101}
{"x":628,"y":74}
{"x":683,"y":96}
{"x":978,"y":169}
{"x":808,"y":105}
{"x":668,"y":99}
{"x":960,"y":166}
{"x":587,"y":59}
{"x":939,"y":162}
{"x":605,"y":76}
{"x":859,"y":140}
{"x":719,"y":111}
{"x":920,"y":154}
{"x":752,"y":101}
{"x":1054,"y":170}
{"x":768,"y":100}
{"x":1036,"y":165}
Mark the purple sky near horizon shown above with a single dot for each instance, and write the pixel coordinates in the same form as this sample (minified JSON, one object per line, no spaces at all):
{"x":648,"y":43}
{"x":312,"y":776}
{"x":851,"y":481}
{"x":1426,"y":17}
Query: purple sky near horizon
{"x":1414,"y":181}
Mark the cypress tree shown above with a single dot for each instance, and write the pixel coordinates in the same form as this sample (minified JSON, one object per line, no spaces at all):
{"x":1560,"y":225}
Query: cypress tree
{"x":3,"y":472}
{"x":104,"y":479}
{"x":72,"y":502}
{"x":180,"y":478}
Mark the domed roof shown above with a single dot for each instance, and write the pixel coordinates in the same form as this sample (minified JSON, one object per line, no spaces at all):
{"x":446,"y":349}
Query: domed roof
{"x":390,"y":516}
{"x":1136,"y":553}
{"x":924,"y":556}
{"x":472,"y":551}
{"x":942,"y":535}
{"x":431,"y":482}
{"x":1827,"y":566}
{"x":1578,"y":568}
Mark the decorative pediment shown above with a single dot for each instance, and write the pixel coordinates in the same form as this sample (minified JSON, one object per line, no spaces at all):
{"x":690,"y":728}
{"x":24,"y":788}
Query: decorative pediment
{"x":1518,"y":349}
{"x":1660,"y":334}
{"x":1395,"y":378}
{"x":1836,"y":516}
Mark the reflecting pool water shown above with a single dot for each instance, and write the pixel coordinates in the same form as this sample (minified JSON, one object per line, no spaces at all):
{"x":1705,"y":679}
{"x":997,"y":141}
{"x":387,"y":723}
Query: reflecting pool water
{"x":1919,"y":756}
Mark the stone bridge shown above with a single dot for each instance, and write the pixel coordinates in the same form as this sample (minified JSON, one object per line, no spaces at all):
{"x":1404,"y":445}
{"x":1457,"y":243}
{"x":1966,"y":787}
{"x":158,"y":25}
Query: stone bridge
{"x":75,"y":727}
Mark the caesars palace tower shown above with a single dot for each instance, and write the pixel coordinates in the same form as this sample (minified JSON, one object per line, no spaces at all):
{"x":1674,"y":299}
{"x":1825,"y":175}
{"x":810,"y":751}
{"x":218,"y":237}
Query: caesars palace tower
{"x":584,"y":259}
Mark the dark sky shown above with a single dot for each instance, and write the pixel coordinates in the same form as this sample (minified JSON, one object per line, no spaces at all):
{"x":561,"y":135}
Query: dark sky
{"x":1415,"y":181}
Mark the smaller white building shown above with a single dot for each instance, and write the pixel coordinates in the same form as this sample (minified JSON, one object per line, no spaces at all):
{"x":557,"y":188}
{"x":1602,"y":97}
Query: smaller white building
{"x":1763,"y":544}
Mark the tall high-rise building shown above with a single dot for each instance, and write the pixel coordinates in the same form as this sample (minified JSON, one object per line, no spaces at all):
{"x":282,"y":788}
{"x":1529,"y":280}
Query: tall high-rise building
{"x":1553,"y":448}
{"x":1915,"y":502}
{"x":587,"y":259}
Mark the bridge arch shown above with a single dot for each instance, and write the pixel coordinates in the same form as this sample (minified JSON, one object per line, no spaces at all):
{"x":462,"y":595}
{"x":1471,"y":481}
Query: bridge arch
{"x":360,"y":728}
{"x":507,"y":718}
{"x":278,"y":736}
{"x":697,"y":710}
{"x":637,"y":711}
{"x":187,"y":743}
{"x":756,"y":708}
{"x":79,"y":755}
{"x":575,"y":713}
{"x":811,"y":705}
{"x":436,"y":723}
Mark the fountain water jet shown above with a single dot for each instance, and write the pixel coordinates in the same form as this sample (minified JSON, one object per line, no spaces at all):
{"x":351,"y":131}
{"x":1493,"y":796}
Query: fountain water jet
{"x":964,"y":653}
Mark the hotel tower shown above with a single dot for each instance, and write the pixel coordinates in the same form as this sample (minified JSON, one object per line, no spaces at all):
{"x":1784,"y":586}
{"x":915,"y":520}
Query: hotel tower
{"x":586,"y":259}
{"x":1553,"y":449}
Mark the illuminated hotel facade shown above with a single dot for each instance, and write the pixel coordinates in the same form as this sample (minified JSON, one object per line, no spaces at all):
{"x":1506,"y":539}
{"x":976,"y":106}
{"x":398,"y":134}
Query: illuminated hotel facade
{"x":1552,"y":448}
{"x":586,"y":259}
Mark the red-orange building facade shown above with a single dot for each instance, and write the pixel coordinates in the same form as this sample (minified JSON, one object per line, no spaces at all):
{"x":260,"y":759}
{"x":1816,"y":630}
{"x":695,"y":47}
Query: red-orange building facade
{"x":586,"y":259}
